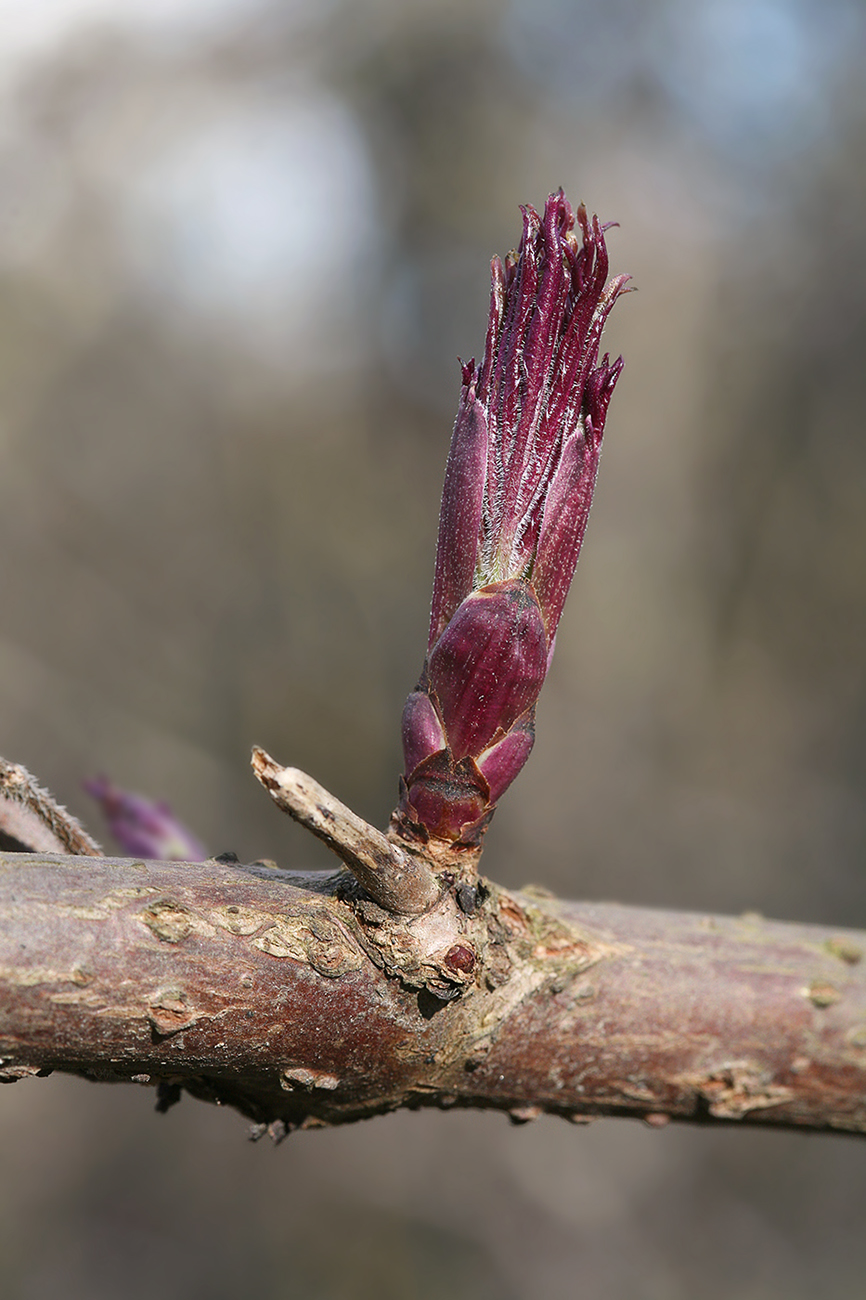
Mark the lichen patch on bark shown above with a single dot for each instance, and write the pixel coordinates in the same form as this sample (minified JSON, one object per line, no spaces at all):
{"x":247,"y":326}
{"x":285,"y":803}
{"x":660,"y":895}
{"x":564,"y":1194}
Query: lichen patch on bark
{"x":312,"y":937}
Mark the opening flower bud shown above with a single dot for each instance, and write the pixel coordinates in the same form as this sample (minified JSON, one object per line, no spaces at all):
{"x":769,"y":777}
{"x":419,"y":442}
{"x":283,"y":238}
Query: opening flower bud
{"x":518,"y":489}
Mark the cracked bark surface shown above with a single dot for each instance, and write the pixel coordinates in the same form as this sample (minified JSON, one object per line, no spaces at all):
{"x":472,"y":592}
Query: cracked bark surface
{"x":301,"y":1001}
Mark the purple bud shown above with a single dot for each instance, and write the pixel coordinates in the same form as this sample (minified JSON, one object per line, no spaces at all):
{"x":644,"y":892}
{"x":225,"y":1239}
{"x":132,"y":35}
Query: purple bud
{"x":487,"y":667}
{"x":460,"y":513}
{"x":563,"y":523}
{"x":449,"y":798}
{"x":500,"y":763}
{"x":539,"y":382}
{"x":423,"y":733}
{"x":142,"y":828}
{"x":518,"y":489}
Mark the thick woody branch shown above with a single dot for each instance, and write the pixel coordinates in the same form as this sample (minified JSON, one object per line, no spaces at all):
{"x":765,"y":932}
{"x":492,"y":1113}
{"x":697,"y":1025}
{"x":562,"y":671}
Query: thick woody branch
{"x":302,"y":1003}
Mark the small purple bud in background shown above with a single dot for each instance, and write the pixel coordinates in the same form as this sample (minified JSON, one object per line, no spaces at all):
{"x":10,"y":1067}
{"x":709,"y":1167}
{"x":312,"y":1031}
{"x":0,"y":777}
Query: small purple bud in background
{"x":518,"y":488}
{"x":142,"y":828}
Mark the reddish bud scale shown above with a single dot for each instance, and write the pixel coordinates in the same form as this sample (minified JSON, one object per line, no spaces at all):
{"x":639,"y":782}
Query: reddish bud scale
{"x":487,"y":667}
{"x":518,"y":488}
{"x":467,"y":729}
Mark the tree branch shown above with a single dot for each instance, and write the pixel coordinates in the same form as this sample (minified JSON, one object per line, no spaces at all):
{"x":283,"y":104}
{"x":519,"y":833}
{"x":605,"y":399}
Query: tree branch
{"x":300,"y":1001}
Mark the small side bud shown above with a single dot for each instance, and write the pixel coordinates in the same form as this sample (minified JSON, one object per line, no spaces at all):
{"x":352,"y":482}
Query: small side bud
{"x":143,"y":828}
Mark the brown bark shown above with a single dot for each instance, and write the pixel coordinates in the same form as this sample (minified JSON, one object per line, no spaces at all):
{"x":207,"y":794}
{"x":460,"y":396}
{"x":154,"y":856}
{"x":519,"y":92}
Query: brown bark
{"x":300,"y":1001}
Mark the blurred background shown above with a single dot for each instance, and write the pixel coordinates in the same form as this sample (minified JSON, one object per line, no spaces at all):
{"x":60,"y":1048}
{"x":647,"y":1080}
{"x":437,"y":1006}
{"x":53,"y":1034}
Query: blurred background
{"x":242,"y":243}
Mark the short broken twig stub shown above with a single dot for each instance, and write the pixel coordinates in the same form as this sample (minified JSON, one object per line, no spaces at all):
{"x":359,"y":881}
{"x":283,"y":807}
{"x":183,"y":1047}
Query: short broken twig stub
{"x":395,"y":878}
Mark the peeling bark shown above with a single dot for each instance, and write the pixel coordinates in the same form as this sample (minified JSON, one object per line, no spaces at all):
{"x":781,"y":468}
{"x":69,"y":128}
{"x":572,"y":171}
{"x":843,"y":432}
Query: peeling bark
{"x":300,"y":1001}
